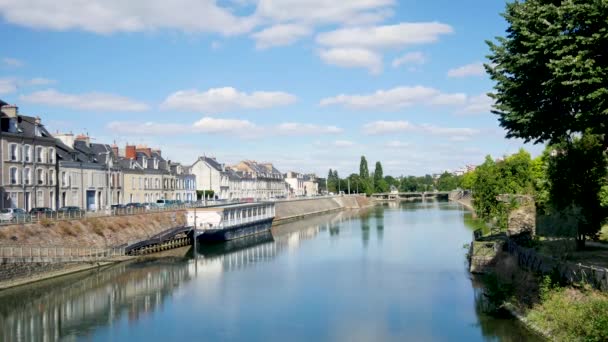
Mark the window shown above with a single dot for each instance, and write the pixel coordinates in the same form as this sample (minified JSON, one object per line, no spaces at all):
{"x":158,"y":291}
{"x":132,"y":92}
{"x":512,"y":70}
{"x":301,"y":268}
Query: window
{"x":27,"y":176}
{"x":64,"y":179}
{"x":14,"y":175}
{"x":52,"y":155}
{"x":14,"y":152}
{"x":146,"y":181}
{"x":40,"y":176}
{"x":52,"y":177}
{"x":27,"y":153}
{"x":39,"y":154}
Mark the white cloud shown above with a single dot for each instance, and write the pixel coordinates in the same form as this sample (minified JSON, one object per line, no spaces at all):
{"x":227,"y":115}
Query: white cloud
{"x":213,"y":125}
{"x":343,"y":144}
{"x":88,"y":101}
{"x":8,"y":85}
{"x":39,"y":81}
{"x":295,"y":128}
{"x":396,"y":98}
{"x":396,"y":144}
{"x":477,"y":105}
{"x":410,"y":58}
{"x":280,"y":35}
{"x":209,"y":125}
{"x":13,"y":62}
{"x":473,"y":69}
{"x":387,"y":127}
{"x":217,"y":100}
{"x":353,"y":58}
{"x":108,"y":16}
{"x":387,"y":36}
{"x":325,"y":11}
{"x":393,"y":127}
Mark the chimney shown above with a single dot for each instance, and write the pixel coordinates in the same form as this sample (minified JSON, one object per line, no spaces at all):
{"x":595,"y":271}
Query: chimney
{"x":37,"y":121}
{"x":115,"y":150}
{"x":158,"y":151}
{"x":144,"y":149}
{"x":11,"y":110}
{"x":131,"y":152}
{"x":66,"y":138}
{"x":84,"y":138}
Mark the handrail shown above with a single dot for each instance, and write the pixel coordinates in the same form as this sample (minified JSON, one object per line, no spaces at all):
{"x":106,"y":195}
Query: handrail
{"x":58,"y":253}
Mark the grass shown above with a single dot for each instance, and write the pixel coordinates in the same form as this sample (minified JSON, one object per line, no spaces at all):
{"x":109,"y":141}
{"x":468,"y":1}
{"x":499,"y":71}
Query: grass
{"x":571,"y":314}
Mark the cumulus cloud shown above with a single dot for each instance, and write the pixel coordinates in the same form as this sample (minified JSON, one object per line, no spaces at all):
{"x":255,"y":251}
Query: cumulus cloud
{"x":94,"y":101}
{"x":387,"y":127}
{"x":13,"y":62}
{"x":10,"y":85}
{"x":353,"y":58}
{"x":393,"y":127}
{"x":296,"y":128}
{"x":410,"y":58}
{"x":396,"y":144}
{"x":473,"y":69}
{"x":396,"y":98}
{"x":325,"y":11}
{"x":209,"y":125}
{"x":217,"y":100}
{"x":109,"y":16}
{"x":280,"y":35}
{"x":386,"y":36}
{"x":478,"y":105}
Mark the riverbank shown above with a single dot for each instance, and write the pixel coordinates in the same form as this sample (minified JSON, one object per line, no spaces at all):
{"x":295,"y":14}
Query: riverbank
{"x":120,"y":230}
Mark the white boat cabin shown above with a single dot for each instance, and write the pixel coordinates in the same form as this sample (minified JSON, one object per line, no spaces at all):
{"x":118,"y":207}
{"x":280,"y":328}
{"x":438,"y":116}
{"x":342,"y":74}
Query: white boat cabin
{"x":228,"y":216}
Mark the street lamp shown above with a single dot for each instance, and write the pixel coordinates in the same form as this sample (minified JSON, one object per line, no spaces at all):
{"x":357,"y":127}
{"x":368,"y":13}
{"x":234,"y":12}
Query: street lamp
{"x":108,"y":193}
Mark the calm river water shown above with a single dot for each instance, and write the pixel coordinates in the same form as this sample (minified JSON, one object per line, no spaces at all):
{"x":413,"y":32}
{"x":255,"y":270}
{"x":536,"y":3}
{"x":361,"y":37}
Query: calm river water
{"x":390,"y":273}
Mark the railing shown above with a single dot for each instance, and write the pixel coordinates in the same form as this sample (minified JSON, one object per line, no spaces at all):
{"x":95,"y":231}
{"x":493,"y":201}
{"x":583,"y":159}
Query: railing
{"x":18,"y":254}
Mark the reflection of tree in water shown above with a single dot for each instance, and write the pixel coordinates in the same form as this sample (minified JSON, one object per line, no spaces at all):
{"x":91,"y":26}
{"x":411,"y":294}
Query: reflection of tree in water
{"x":496,"y":323}
{"x":334,"y":230}
{"x":379,"y":215}
{"x":473,"y":224}
{"x":365,"y":227}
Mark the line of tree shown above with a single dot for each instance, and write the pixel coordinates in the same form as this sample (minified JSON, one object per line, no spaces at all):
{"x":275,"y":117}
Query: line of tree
{"x":377,"y":182}
{"x":550,"y":75}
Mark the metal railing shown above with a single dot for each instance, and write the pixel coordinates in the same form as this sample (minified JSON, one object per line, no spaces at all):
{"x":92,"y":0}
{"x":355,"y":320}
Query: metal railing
{"x":58,"y":254}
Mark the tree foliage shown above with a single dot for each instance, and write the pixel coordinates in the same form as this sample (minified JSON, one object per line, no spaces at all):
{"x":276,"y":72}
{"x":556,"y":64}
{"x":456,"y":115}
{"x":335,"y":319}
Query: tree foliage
{"x":551,"y":69}
{"x":448,"y":182}
{"x":363,"y":169}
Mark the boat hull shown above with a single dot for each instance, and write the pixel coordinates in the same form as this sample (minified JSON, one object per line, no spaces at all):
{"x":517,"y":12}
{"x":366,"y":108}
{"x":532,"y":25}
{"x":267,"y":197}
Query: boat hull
{"x":236,"y":232}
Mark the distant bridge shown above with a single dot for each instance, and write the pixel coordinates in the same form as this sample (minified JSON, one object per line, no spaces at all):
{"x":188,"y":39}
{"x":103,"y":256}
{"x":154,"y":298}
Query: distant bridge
{"x":395,"y":196}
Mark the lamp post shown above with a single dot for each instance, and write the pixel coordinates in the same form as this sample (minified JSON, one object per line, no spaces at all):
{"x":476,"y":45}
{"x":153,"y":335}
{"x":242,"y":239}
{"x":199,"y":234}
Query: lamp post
{"x":108,"y":193}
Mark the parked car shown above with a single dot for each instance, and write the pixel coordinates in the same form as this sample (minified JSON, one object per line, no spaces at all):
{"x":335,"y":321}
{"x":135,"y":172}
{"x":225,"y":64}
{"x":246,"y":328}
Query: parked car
{"x":70,"y":212}
{"x":118,"y":206}
{"x":13,"y":214}
{"x":150,"y":206}
{"x":135,"y":206}
{"x":42,"y":212}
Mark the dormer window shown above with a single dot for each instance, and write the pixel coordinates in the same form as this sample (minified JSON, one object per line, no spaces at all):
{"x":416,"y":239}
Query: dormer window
{"x":145,"y":163}
{"x":156,"y":162}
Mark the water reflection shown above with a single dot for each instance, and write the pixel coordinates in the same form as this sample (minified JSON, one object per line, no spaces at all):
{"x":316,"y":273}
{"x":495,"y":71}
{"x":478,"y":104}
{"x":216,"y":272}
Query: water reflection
{"x":308,"y":280}
{"x":59,"y":311}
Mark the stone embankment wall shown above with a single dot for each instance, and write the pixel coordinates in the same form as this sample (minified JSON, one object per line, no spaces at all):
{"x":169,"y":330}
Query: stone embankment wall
{"x":291,"y":210}
{"x":91,"y":232}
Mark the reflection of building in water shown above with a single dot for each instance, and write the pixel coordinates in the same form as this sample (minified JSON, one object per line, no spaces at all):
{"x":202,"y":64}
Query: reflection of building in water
{"x":237,"y":254}
{"x":57,"y":312}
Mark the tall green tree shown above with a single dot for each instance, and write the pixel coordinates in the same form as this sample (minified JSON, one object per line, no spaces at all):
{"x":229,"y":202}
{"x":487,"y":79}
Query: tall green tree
{"x":380,"y":184}
{"x":447,"y":182}
{"x":363,"y":169}
{"x":577,"y":174}
{"x":551,"y":69}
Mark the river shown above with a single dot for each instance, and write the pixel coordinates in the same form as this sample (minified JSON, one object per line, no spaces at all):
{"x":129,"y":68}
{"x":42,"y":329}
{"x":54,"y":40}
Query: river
{"x":395,"y":272}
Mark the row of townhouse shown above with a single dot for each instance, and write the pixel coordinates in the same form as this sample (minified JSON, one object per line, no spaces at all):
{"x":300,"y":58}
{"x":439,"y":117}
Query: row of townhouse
{"x":44,"y":170}
{"x":301,"y":184}
{"x":247,"y":179}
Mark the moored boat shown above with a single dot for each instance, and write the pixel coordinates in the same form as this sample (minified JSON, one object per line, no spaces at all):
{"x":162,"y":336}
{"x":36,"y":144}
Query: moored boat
{"x":224,"y":223}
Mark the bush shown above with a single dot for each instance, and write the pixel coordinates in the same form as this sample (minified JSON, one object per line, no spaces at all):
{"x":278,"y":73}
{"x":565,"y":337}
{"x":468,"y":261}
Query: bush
{"x":570,"y":314}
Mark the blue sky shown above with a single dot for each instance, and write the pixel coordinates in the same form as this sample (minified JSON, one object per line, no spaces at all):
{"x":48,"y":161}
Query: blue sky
{"x":306,"y":84}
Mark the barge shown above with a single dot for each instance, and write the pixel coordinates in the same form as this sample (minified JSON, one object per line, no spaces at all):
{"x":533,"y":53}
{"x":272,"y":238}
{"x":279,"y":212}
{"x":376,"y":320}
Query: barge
{"x":225,"y":223}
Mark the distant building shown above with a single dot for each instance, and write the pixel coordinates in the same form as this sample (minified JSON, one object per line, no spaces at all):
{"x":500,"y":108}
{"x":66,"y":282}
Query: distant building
{"x":29,"y":163}
{"x":267,"y":181}
{"x":89,"y":176}
{"x":301,"y":184}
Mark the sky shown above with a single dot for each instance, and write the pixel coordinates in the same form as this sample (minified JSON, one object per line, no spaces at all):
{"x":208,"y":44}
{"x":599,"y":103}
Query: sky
{"x":308,"y":85}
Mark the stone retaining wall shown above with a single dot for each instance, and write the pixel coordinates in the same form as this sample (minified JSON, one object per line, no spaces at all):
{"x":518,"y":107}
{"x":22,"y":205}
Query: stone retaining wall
{"x":289,"y":210}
